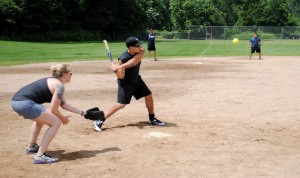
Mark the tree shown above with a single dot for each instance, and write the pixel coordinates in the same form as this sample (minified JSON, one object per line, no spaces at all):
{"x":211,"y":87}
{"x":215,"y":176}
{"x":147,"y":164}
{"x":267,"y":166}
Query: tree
{"x":157,"y":13}
{"x":194,"y":12}
{"x":112,"y":17}
{"x":9,"y":11}
{"x":201,"y":12}
{"x":178,"y":18}
{"x":294,"y":8}
{"x":228,"y":9}
{"x":264,"y":13}
{"x":276,"y":13}
{"x":40,"y":16}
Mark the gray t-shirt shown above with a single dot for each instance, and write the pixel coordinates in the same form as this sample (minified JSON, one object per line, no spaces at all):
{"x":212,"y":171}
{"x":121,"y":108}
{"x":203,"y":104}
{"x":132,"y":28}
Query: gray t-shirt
{"x":37,"y":91}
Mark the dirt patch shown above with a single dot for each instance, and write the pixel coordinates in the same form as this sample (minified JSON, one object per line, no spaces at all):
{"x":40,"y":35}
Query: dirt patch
{"x":226,"y":117}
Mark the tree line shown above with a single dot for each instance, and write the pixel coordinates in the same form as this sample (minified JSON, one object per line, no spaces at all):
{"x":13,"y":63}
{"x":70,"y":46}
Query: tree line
{"x":78,"y":20}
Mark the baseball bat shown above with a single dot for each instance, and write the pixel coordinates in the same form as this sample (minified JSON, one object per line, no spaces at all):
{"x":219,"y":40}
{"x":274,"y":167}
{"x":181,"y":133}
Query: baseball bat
{"x":107,"y":50}
{"x":119,"y":74}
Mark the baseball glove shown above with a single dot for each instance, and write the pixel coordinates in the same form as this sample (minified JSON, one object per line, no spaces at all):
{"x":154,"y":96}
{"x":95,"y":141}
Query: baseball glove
{"x":94,"y":114}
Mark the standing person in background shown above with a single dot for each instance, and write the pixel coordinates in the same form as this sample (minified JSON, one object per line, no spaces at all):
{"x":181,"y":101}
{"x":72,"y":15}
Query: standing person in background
{"x":151,"y":44}
{"x":27,"y":102}
{"x":255,"y":43}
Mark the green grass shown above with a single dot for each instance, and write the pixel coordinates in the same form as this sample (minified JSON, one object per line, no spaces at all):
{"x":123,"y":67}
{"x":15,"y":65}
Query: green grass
{"x":14,"y":53}
{"x":195,"y":48}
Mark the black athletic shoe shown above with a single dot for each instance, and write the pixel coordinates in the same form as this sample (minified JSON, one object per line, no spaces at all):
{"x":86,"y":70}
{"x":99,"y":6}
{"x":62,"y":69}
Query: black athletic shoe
{"x":97,"y":125}
{"x":157,"y":122}
{"x":32,"y":149}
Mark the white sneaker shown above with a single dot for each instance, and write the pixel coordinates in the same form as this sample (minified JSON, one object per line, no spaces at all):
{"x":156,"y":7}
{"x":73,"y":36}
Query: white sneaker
{"x":97,"y":125}
{"x":44,"y":159}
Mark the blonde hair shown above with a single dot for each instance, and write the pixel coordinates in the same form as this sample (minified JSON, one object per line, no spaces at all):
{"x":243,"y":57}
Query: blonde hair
{"x":59,"y":69}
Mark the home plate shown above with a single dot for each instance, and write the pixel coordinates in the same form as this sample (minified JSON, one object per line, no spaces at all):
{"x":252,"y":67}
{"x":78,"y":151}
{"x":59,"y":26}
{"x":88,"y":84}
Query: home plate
{"x":198,"y":62}
{"x":156,"y":135}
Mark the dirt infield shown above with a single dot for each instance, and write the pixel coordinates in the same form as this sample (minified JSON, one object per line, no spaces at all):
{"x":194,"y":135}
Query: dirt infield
{"x":226,"y":117}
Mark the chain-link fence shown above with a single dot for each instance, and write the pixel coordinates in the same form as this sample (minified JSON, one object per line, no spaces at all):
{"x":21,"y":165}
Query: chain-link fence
{"x":226,"y":33}
{"x":243,"y":32}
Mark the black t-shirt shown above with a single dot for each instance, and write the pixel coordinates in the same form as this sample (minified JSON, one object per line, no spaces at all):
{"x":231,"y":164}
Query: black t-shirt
{"x":151,"y":40}
{"x":132,"y":73}
{"x":37,"y":91}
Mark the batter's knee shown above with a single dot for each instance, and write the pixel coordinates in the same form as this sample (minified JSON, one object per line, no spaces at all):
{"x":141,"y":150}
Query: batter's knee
{"x":148,"y":96}
{"x":121,"y":106}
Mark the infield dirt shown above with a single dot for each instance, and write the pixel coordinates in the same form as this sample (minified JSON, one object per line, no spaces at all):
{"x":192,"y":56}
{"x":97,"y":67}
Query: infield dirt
{"x":226,"y":117}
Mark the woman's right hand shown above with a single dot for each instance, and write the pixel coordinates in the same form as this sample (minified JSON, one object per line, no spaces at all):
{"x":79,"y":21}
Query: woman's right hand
{"x":65,"y":120}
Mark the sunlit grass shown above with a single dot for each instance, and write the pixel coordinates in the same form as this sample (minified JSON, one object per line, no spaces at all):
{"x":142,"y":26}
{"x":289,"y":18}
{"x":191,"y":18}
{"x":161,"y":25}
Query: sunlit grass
{"x":13,"y":53}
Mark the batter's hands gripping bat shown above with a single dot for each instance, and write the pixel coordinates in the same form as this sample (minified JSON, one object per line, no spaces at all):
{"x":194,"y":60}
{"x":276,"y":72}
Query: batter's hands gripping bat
{"x":120,"y":73}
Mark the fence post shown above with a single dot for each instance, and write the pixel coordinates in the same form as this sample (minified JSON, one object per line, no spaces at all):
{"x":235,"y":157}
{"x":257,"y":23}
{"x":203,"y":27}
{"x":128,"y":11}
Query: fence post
{"x":224,"y":28}
{"x":211,"y":33}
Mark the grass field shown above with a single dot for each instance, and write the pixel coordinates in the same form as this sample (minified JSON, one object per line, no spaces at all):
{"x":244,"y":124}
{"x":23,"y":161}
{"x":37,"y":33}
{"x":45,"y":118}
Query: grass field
{"x":13,"y":53}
